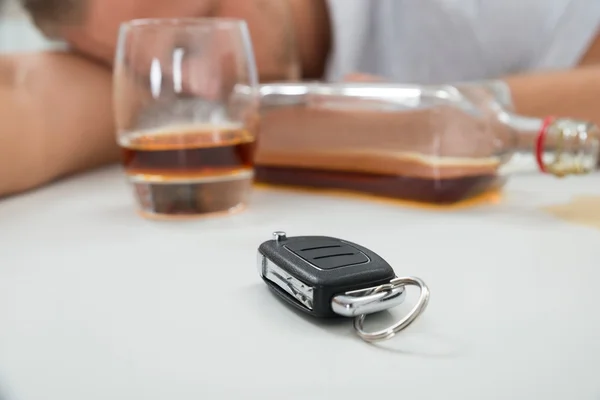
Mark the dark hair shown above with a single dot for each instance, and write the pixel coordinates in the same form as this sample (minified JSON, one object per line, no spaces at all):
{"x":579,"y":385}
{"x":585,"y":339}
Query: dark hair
{"x":49,"y":15}
{"x":53,"y":11}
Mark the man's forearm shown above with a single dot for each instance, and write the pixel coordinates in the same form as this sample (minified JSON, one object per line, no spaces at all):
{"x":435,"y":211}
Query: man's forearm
{"x":573,"y":93}
{"x":56,"y":118}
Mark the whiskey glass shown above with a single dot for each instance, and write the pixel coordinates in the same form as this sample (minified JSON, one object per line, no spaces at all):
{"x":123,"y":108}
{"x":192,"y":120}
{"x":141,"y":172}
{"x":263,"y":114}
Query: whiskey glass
{"x":186,"y":112}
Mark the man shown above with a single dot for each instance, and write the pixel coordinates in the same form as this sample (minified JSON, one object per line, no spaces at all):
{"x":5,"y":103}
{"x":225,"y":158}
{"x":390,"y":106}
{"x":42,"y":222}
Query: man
{"x":56,"y":107}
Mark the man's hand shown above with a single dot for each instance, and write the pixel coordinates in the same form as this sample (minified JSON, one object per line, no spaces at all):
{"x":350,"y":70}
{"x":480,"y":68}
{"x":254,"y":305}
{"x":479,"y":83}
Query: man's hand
{"x":567,"y":94}
{"x":56,"y":118}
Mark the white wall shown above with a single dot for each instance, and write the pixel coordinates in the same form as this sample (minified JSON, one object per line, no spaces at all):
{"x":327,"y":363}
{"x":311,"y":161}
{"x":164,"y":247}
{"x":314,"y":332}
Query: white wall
{"x":17,"y":33}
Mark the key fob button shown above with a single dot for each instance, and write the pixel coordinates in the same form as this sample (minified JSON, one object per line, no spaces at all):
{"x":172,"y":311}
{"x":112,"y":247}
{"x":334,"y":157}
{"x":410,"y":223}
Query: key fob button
{"x":327,"y":254}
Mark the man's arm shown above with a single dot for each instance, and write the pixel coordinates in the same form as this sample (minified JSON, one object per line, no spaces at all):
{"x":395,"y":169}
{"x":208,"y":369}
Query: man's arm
{"x":56,"y":118}
{"x":573,"y":93}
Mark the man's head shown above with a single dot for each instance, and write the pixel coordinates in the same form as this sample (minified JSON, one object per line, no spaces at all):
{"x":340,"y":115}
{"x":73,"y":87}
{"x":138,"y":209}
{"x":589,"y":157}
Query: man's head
{"x":279,"y":28}
{"x":91,"y":26}
{"x":52,"y":10}
{"x":48,"y":15}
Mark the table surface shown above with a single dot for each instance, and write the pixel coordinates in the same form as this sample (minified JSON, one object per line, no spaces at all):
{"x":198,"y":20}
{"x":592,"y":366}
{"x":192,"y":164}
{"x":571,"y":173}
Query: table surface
{"x":97,"y":303}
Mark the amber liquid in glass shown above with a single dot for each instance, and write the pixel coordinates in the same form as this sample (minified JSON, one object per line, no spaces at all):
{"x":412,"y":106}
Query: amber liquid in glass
{"x":190,"y":171}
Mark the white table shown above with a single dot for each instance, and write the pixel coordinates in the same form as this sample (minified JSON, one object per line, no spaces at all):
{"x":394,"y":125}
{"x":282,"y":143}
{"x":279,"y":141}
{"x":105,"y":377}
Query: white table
{"x":96,"y":303}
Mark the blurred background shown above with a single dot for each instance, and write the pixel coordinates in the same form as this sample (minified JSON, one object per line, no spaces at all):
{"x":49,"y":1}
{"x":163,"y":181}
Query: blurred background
{"x":17,"y":33}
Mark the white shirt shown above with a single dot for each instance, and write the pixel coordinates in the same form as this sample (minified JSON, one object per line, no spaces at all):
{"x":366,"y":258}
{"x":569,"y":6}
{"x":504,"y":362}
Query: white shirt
{"x":442,"y":41}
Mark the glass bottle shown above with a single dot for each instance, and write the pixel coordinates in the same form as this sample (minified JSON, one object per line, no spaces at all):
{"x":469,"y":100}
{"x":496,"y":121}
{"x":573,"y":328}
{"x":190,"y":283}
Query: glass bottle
{"x":430,"y":144}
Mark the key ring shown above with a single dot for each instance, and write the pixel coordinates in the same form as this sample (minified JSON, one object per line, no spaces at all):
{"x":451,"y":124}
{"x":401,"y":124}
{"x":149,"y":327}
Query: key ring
{"x":391,"y":331}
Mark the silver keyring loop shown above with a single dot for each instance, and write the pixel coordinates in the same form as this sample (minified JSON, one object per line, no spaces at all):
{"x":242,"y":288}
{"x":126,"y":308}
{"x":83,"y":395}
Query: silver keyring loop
{"x":417,"y":310}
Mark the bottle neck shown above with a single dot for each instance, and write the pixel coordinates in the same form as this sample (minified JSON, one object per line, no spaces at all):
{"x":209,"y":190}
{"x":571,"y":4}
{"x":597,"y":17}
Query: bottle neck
{"x":557,"y":146}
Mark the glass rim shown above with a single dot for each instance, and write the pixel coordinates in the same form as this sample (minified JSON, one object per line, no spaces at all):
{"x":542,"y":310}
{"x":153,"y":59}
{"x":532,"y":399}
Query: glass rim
{"x":188,"y":22}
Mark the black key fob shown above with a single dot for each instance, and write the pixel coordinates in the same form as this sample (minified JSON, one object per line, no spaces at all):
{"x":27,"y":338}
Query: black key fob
{"x":309,"y":271}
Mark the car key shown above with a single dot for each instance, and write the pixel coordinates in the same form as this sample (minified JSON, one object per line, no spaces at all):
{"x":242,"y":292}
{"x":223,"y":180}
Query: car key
{"x":330,"y":277}
{"x":309,"y":271}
